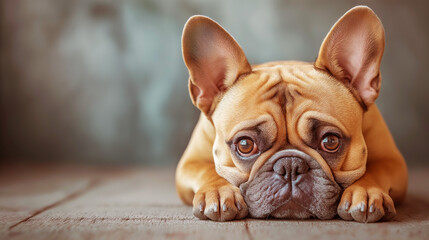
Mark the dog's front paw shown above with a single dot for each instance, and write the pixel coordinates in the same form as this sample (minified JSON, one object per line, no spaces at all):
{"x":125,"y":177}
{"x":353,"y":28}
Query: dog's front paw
{"x":366,"y":204}
{"x":219,"y":203}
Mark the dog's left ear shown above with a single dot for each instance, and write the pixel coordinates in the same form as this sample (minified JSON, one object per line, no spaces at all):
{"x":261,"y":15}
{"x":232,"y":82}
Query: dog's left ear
{"x":352,"y":52}
{"x":214,"y":60}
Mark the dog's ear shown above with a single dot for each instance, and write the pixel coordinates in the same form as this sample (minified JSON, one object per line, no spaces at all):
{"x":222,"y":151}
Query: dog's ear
{"x":352,"y":52}
{"x":214,"y":60}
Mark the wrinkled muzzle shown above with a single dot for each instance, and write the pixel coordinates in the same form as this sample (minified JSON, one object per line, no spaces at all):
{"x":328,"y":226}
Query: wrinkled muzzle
{"x":291,"y":184}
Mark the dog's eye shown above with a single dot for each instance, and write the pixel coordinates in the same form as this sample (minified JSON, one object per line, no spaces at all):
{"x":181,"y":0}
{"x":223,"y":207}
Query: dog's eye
{"x":246,"y":147}
{"x":330,"y":143}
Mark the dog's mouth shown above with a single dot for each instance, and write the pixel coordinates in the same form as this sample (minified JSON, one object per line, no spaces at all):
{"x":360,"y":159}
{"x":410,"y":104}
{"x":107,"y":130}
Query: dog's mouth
{"x":291,"y":184}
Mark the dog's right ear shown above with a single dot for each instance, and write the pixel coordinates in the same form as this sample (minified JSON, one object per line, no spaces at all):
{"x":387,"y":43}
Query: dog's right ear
{"x":214,"y":60}
{"x":352,"y":52}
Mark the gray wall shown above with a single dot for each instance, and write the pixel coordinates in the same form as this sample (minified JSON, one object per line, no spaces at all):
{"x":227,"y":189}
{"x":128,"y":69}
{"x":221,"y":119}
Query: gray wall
{"x":104,"y":81}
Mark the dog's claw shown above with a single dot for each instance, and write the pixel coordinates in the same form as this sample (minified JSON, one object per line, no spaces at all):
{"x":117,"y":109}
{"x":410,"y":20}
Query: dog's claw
{"x":215,"y":208}
{"x":362,"y":207}
{"x":224,"y":207}
{"x":238,"y":206}
{"x":347,"y":205}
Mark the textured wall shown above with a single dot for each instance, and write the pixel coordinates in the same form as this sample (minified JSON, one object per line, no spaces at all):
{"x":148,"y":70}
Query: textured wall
{"x":104,"y":81}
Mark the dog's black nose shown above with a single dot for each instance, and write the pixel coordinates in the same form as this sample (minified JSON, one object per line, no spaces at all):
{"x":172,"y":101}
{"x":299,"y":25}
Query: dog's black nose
{"x":290,"y":167}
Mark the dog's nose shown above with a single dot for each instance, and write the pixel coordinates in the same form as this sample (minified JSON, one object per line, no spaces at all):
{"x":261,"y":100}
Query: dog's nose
{"x":290,"y":167}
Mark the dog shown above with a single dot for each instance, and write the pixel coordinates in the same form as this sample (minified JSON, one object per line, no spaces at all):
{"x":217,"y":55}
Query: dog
{"x":290,"y":139}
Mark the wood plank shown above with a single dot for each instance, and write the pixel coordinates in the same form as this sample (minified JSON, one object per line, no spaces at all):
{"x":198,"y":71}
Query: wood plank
{"x":129,"y":229}
{"x":25,"y":191}
{"x":28,"y":190}
{"x":338,"y":229}
{"x":131,"y":206}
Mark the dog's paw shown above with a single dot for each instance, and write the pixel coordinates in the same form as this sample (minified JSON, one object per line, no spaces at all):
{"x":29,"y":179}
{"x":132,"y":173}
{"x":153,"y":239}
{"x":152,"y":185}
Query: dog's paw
{"x":219,"y":203}
{"x":366,"y":204}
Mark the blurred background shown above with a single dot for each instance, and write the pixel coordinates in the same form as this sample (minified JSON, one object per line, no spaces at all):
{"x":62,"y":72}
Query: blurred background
{"x":103,"y":82}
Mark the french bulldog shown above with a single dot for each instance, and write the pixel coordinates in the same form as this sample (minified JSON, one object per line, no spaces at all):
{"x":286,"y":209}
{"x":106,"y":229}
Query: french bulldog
{"x":289,"y":139}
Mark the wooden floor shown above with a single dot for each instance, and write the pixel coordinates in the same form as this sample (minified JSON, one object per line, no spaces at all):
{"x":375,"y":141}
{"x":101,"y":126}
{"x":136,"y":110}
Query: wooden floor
{"x":69,"y":202}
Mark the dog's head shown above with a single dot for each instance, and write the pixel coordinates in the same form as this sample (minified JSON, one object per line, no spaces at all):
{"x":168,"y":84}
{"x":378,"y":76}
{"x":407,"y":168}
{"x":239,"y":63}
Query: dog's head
{"x":289,"y":134}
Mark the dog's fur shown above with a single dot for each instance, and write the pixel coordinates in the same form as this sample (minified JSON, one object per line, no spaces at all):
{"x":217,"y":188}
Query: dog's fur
{"x":286,"y":111}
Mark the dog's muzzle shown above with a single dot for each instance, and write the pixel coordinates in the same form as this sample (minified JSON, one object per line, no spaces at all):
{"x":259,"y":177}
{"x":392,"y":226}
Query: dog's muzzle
{"x":291,"y":184}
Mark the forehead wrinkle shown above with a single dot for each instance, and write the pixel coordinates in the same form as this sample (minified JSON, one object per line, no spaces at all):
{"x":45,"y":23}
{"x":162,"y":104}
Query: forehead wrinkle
{"x":250,"y":124}
{"x":296,"y":81}
{"x":270,"y":87}
{"x":295,"y":76}
{"x":252,"y":103}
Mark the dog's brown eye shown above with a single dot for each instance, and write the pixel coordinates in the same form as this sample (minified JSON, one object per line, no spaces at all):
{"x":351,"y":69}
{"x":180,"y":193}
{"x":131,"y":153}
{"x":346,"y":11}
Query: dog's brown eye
{"x":246,"y":147}
{"x":330,"y":143}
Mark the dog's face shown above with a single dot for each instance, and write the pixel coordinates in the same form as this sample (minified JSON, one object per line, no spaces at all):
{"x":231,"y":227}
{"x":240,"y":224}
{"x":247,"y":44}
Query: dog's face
{"x":282,"y":134}
{"x":289,"y":134}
